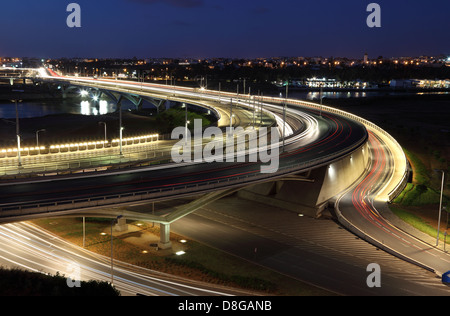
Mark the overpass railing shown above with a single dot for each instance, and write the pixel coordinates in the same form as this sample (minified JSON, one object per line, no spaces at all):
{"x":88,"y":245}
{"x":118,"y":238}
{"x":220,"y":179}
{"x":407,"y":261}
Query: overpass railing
{"x":242,"y":180}
{"x":322,"y":108}
{"x":29,"y":209}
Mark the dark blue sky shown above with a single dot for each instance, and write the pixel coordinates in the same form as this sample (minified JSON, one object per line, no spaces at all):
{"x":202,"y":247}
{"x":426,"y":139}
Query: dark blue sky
{"x":231,"y":28}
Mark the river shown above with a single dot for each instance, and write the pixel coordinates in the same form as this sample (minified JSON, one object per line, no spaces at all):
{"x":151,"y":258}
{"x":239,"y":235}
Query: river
{"x":30,"y":109}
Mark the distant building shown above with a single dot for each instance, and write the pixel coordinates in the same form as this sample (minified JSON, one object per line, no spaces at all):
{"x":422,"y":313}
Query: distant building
{"x":434,"y":84}
{"x":404,"y":83}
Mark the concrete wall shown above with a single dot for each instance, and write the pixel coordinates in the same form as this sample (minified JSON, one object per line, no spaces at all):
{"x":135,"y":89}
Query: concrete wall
{"x":342,"y":174}
{"x":310,"y":197}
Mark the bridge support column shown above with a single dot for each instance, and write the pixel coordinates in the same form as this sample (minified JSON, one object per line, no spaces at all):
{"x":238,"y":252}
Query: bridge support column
{"x":64,"y":93}
{"x":164,"y":242}
{"x":121,"y":225}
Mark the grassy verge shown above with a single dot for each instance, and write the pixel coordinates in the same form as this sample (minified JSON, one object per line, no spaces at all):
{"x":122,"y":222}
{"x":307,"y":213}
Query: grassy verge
{"x":200,"y":262}
{"x":419,"y":195}
{"x":420,"y":171}
{"x":415,"y":220}
{"x":418,"y":204}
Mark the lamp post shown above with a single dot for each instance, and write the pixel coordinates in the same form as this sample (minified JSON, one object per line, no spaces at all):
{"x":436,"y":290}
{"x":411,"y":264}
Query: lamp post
{"x":231,"y":118}
{"x":112,"y":252}
{"x":440,"y":206}
{"x":254,"y":111}
{"x":186,"y":132}
{"x":284,"y":115}
{"x":121,"y":140}
{"x":37,"y":136}
{"x":100,"y":123}
{"x":120,"y":129}
{"x":186,"y":122}
{"x":18,"y":134}
{"x":321,"y":100}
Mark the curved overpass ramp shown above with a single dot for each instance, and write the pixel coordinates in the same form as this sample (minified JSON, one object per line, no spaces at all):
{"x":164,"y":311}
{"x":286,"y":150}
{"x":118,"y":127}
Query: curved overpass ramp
{"x":327,"y":139}
{"x":341,"y":140}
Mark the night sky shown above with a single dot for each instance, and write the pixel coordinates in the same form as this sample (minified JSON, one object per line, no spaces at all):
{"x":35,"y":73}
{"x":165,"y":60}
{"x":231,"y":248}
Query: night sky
{"x":231,"y":28}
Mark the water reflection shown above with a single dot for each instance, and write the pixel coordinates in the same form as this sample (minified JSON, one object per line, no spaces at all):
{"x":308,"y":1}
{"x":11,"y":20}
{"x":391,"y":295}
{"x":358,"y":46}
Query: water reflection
{"x":29,"y":109}
{"x":314,"y":96}
{"x":101,"y":107}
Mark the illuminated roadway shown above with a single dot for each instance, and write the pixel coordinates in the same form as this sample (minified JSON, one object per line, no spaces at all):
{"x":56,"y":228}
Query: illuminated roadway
{"x":333,"y":137}
{"x":361,"y":206}
{"x":28,"y":247}
{"x":358,"y":206}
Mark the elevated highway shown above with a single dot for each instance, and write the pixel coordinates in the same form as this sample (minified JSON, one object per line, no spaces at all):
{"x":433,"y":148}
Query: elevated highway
{"x":312,"y":141}
{"x":362,"y":168}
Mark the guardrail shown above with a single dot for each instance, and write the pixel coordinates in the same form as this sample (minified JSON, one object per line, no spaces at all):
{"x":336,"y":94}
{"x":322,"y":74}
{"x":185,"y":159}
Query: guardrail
{"x":28,"y":209}
{"x":64,"y":205}
{"x":402,"y":184}
{"x":61,"y":158}
{"x":379,"y":244}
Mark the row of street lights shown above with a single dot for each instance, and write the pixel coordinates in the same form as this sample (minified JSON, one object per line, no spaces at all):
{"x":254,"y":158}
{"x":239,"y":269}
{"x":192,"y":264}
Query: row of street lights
{"x":83,"y":93}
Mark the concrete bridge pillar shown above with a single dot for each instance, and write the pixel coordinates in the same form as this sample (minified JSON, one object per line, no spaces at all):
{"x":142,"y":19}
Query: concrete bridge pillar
{"x":121,"y":225}
{"x":63,"y":91}
{"x":140,"y":104}
{"x":164,"y":242}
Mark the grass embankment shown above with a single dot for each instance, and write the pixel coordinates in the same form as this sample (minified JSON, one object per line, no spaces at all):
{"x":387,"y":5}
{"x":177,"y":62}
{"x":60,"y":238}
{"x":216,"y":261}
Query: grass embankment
{"x":199,"y":262}
{"x":416,"y":205}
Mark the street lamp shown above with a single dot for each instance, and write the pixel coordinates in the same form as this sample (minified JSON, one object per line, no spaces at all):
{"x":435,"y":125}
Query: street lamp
{"x":186,"y":132}
{"x":37,"y":136}
{"x":186,"y":122}
{"x":114,"y":221}
{"x":121,"y":140}
{"x":284,"y":116}
{"x":100,"y":123}
{"x":440,"y":206}
{"x":231,"y":123}
{"x":18,"y":133}
{"x":321,"y":100}
{"x":120,"y":129}
{"x":231,"y":117}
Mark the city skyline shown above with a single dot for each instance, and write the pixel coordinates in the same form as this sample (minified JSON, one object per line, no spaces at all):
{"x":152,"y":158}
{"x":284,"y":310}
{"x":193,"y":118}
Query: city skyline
{"x":208,"y":29}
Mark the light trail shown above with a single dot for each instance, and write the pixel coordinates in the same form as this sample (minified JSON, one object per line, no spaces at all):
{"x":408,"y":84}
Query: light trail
{"x":27,"y":246}
{"x":359,"y":206}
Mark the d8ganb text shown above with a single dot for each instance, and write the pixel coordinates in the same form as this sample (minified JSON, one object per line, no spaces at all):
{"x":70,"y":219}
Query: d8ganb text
{"x":246,"y":305}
